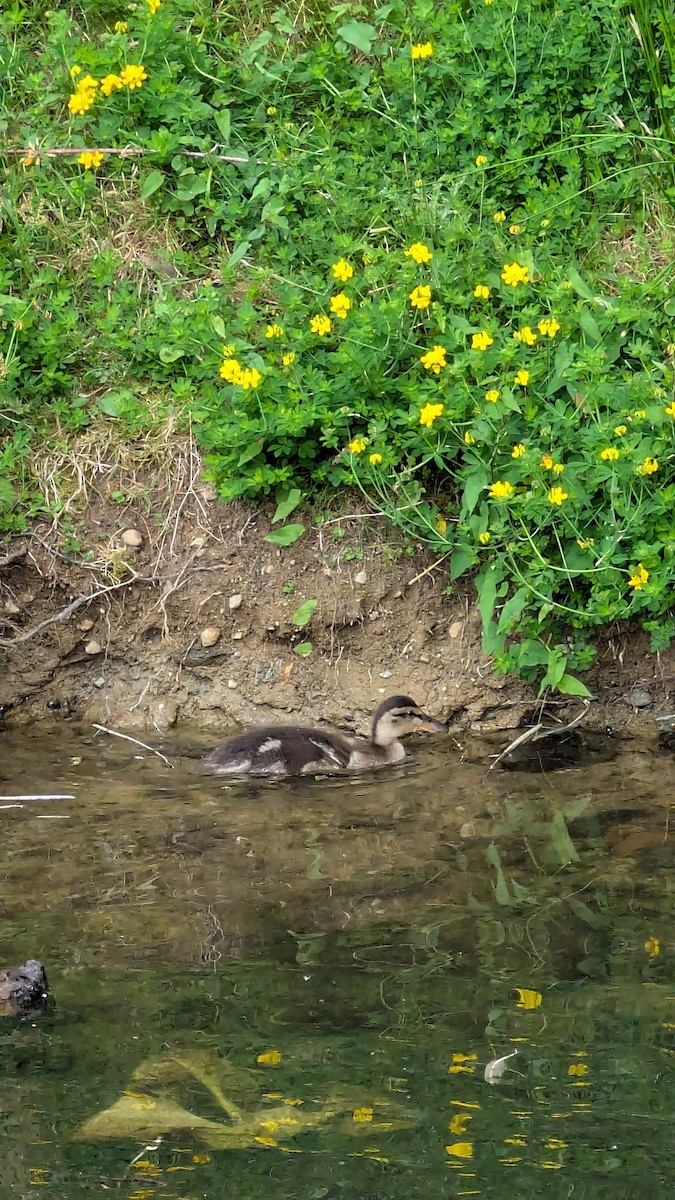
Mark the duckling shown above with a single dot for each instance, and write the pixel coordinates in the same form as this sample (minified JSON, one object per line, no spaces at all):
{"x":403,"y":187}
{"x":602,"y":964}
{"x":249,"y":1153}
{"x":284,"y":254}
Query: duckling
{"x":300,"y":750}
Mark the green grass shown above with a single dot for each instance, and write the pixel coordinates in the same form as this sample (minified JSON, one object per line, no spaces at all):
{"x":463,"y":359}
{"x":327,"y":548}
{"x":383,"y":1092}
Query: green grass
{"x":268,"y":143}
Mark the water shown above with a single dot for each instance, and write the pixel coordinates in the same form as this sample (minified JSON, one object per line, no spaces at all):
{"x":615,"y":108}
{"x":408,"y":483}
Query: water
{"x":319,"y":972}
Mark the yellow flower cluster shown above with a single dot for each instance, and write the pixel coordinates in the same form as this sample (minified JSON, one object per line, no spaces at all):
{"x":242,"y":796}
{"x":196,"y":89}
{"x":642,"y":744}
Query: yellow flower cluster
{"x":548,"y":327}
{"x":499,"y":216}
{"x":342,"y":270}
{"x":518,"y":451}
{"x":638,"y":578}
{"x":481,"y":292}
{"x":481,"y":341}
{"x":153,"y":5}
{"x":274,"y":331}
{"x":132,"y":76}
{"x":340,"y":305}
{"x":357,"y":445}
{"x":374,"y":459}
{"x":492,"y":396}
{"x":419,"y":253}
{"x":481,"y":160}
{"x":610,"y":454}
{"x":648,"y":467}
{"x":288,"y":359}
{"x":501,"y":490}
{"x":320,"y":325}
{"x":556,"y":496}
{"x":484,"y":537}
{"x":420,"y":297}
{"x":90,"y":159}
{"x":522,"y":378}
{"x":429,"y":414}
{"x":244,"y":377}
{"x":121,"y":26}
{"x":434,"y":359}
{"x":421,"y":50}
{"x":513,"y":274}
{"x":526,"y":335}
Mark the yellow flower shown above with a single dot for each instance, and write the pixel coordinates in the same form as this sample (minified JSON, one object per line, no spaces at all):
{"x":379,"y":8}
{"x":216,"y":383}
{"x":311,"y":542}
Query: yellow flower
{"x":133,"y":76}
{"x":652,"y":946}
{"x":577,"y":1069}
{"x":153,"y":5}
{"x":492,"y":396}
{"x":548,"y":327}
{"x":75,"y":71}
{"x":459,"y":1122}
{"x":460,"y":1149}
{"x":481,"y":292}
{"x":87,"y":84}
{"x":670,"y":410}
{"x":526,"y":335}
{"x":522,"y":378}
{"x":546,"y":461}
{"x":274,"y":331}
{"x":340,"y":305}
{"x":527,"y":998}
{"x":121,"y":26}
{"x":79,"y":102}
{"x":513,"y":274}
{"x":638,"y":578}
{"x":484,"y":538}
{"x":265,"y":1141}
{"x":374,"y":459}
{"x":429,"y":413}
{"x":90,"y":159}
{"x":418,"y":183}
{"x":463,"y":1064}
{"x":419,"y":252}
{"x":366,"y":259}
{"x":288,"y":359}
{"x":545,"y":223}
{"x":481,"y":341}
{"x":499,"y":216}
{"x":269,"y":1058}
{"x":481,"y":160}
{"x":200,"y":1157}
{"x":501,"y":490}
{"x":620,"y":430}
{"x":228,"y":351}
{"x":342,"y":270}
{"x":421,"y":50}
{"x":440,"y":523}
{"x":434,"y":359}
{"x":469,"y":439}
{"x":518,"y":451}
{"x":556,"y":496}
{"x":320,"y":325}
{"x":558,"y":468}
{"x":515,"y":229}
{"x":648,"y":467}
{"x":640,"y":414}
{"x":585,"y":543}
{"x":250,"y":378}
{"x":362,"y":1114}
{"x":610,"y":454}
{"x":420,"y":297}
{"x":109,"y":83}
{"x":488,"y":2}
{"x":357,"y":445}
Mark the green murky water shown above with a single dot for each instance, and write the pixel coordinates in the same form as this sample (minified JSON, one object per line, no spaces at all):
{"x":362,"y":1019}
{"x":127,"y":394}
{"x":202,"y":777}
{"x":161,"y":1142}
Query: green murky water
{"x":294,"y":989}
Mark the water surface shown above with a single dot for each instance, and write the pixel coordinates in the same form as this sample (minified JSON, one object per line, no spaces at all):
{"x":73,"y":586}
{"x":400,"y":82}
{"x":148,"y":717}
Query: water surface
{"x":293,"y":989}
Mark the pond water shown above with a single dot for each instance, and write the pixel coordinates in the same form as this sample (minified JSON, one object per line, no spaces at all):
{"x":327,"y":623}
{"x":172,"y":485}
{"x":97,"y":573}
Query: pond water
{"x":294,"y":988}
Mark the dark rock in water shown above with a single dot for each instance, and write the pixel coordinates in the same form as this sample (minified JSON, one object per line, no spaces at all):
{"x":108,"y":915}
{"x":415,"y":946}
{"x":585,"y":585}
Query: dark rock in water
{"x":23,"y":990}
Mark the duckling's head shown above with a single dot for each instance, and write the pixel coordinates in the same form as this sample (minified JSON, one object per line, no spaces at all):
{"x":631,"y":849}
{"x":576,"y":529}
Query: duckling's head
{"x":399,"y":715}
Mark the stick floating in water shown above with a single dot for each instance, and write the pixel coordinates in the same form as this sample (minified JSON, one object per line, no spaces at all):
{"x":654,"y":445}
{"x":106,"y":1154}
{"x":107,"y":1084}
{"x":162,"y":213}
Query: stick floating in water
{"x":114,"y":733}
{"x":41,"y":796}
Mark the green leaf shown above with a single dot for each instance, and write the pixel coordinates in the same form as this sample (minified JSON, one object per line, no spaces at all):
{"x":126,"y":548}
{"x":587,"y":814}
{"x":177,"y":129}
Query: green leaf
{"x":152,"y":183}
{"x":590,"y":327}
{"x":218,"y":326}
{"x":359,"y":35}
{"x":286,"y":535}
{"x":462,"y":558}
{"x":304,"y":649}
{"x":224,"y":123}
{"x":238,"y":253}
{"x":571,"y":686}
{"x":286,"y":505}
{"x":578,"y":284}
{"x":473,"y":486}
{"x":501,"y":888}
{"x":303,"y":614}
{"x":169,"y":354}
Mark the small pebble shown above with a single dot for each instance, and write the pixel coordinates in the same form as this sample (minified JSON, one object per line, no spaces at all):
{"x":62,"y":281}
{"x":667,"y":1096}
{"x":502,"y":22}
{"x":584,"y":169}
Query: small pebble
{"x":209,"y":636}
{"x":232,"y":684}
{"x":639,"y":698}
{"x":361,"y":577}
{"x":455,"y":629}
{"x":100,"y":682}
{"x":11,"y":607}
{"x":235,"y":601}
{"x":86,"y":625}
{"x":386,"y":674}
{"x":198,"y":542}
{"x":236,"y":637}
{"x":424,"y":658}
{"x":132,"y":538}
{"x":93,"y":647}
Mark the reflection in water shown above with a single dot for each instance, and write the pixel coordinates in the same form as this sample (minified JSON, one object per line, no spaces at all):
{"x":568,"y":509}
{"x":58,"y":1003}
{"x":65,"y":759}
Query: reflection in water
{"x":298,"y":986}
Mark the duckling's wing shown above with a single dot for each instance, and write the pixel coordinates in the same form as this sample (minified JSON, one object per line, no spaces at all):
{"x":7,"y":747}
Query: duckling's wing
{"x":279,"y":750}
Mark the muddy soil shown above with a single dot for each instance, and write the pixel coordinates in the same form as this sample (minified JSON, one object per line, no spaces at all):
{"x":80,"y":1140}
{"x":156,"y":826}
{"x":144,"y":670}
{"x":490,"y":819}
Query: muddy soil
{"x":195,"y":624}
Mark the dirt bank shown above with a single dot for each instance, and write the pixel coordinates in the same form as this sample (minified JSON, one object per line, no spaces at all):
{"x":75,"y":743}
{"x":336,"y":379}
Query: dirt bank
{"x":127,"y":649}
